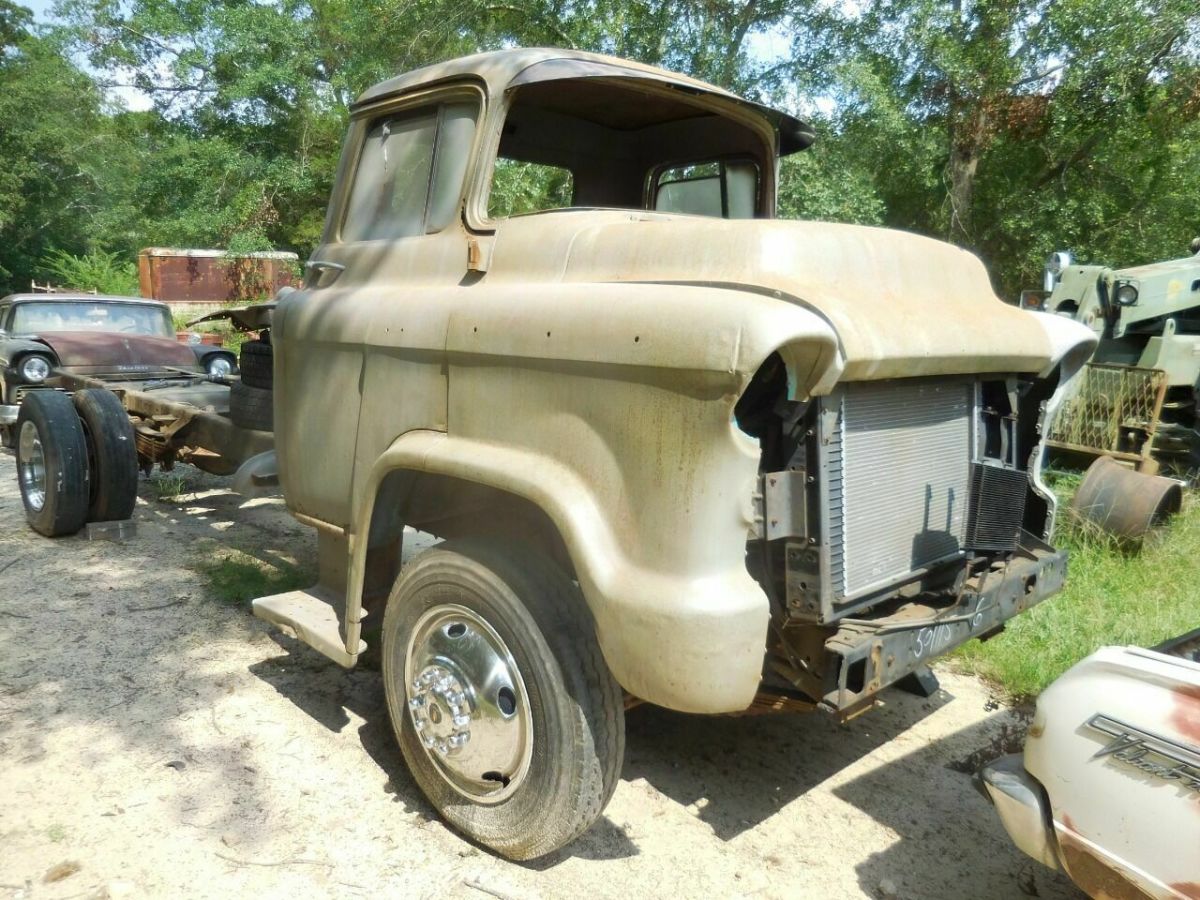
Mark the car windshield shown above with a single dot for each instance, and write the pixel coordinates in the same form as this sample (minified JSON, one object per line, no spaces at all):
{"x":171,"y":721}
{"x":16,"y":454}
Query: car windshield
{"x":91,"y":315}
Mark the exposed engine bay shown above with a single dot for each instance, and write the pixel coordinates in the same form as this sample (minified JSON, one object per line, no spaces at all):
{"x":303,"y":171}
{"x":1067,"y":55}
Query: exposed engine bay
{"x":897,"y":519}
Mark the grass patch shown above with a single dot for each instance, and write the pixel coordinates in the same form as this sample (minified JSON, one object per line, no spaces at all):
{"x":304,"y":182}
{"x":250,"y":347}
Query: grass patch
{"x":1111,"y":598}
{"x":169,"y":485}
{"x":238,"y":578}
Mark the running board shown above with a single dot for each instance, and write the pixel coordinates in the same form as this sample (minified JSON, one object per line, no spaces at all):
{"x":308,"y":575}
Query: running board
{"x":310,"y":614}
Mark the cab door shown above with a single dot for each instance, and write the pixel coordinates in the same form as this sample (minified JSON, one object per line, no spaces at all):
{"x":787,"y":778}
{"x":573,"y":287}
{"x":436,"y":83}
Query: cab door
{"x":360,"y":349}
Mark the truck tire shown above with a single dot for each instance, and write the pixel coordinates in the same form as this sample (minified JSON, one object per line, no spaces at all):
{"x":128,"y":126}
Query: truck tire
{"x":257,"y":364}
{"x":499,"y":637}
{"x":112,"y":455}
{"x":252,"y":407}
{"x":52,"y":467}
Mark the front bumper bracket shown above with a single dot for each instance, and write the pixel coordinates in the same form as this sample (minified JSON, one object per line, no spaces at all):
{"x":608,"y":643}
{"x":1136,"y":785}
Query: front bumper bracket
{"x":868,"y":654}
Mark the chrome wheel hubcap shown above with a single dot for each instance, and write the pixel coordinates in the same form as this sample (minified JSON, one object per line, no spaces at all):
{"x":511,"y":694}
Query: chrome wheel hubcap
{"x":33,"y":466}
{"x":468,"y":704}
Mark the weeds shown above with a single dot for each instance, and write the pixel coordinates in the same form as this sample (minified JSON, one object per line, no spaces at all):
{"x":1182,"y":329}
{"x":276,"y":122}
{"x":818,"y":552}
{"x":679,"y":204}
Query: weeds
{"x":169,"y":485}
{"x":1111,"y":598}
{"x":238,"y":578}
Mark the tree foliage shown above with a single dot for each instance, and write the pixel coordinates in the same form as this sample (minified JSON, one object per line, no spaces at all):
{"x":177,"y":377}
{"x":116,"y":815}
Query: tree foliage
{"x":1012,"y":127}
{"x":103,"y":273}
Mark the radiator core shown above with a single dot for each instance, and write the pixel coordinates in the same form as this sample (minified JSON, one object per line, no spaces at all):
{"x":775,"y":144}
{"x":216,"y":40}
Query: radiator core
{"x":899,"y":470}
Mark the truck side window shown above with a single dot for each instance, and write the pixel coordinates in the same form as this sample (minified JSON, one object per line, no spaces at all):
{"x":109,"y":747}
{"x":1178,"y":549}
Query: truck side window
{"x":410,"y":173}
{"x":524,"y":187}
{"x":455,"y":131}
{"x":719,"y":188}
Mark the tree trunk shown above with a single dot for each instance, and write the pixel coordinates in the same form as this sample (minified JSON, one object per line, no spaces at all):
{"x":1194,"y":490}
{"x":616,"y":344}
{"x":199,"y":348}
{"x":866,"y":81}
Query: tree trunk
{"x":967,"y":135}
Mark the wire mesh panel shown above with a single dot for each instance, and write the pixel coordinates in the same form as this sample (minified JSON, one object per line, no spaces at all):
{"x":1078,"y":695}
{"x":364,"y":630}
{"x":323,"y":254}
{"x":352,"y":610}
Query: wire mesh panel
{"x":1112,"y":410}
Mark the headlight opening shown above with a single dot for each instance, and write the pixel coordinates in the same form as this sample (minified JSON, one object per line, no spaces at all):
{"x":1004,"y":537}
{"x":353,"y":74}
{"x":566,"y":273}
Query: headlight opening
{"x":35,"y":369}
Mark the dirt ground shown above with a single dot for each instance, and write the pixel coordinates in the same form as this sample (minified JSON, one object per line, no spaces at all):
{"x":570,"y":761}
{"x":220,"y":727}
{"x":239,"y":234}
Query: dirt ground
{"x":157,"y":742}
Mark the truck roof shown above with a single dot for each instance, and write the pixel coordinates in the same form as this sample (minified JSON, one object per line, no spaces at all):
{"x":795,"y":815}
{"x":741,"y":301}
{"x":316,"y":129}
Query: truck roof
{"x":501,"y":70}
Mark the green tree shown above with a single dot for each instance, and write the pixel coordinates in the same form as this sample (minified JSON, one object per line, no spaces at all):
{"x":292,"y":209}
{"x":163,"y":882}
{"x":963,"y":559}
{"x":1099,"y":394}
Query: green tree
{"x":52,"y":146}
{"x":1013,"y":126}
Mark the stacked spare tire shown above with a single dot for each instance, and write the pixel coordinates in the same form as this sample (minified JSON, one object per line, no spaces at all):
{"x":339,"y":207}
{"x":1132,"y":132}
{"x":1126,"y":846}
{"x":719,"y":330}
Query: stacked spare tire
{"x":251,"y":400}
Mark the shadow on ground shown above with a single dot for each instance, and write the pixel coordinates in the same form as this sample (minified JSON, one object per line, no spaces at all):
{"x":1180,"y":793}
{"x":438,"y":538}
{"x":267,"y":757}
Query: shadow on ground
{"x":936,"y":780}
{"x":740,"y":770}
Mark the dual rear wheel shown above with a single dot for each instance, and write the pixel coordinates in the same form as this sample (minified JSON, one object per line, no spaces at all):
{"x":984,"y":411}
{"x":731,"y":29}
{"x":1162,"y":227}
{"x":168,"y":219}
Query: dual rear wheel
{"x":76,"y":460}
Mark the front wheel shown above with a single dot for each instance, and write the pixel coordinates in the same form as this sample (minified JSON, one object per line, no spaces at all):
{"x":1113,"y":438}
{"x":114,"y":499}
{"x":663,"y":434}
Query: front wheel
{"x":505,"y":711}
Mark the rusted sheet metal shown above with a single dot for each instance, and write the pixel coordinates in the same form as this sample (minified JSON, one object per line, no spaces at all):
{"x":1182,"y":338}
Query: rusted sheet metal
{"x":1124,"y":503}
{"x":168,"y":429}
{"x":212,"y":276}
{"x":1098,"y":876}
{"x":121,"y":352}
{"x":769,"y":702}
{"x":243,"y":318}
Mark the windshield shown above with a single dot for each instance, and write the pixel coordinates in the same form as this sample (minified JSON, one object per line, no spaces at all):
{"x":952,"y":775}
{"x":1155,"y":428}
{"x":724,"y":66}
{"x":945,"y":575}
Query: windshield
{"x":91,"y":315}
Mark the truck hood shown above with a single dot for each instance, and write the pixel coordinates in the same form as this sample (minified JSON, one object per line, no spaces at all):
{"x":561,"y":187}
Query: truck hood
{"x":111,"y":351}
{"x":901,"y":305}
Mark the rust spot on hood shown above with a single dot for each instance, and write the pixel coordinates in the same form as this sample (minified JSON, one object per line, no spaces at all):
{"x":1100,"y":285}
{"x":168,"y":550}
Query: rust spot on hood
{"x":1189,"y":889}
{"x":1185,"y":713}
{"x":121,"y":352}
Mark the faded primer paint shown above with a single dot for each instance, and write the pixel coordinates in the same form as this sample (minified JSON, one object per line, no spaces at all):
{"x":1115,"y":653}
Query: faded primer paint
{"x":588,"y":361}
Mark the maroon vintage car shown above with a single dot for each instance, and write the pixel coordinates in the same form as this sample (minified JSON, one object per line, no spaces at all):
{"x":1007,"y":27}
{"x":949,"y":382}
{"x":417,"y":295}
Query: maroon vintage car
{"x":43,"y":336}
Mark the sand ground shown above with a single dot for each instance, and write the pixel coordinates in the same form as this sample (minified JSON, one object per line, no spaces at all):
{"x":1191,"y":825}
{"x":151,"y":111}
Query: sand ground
{"x":157,"y":742}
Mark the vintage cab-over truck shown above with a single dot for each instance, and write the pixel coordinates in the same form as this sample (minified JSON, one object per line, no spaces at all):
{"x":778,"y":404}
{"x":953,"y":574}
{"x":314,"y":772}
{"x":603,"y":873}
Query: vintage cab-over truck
{"x":677,"y":451}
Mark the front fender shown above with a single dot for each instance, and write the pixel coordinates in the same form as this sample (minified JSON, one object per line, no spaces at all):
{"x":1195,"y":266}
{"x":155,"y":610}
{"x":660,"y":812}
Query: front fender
{"x":13,"y":349}
{"x":204,"y":351}
{"x":11,"y":354}
{"x":613,"y":413}
{"x":688,"y":641}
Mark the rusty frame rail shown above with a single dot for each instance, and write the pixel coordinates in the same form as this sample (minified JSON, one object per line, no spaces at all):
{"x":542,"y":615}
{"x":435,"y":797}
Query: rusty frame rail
{"x":170,"y":431}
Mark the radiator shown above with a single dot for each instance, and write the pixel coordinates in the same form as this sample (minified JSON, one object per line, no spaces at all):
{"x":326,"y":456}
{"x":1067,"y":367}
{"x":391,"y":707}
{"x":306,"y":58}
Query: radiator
{"x":899,"y":467}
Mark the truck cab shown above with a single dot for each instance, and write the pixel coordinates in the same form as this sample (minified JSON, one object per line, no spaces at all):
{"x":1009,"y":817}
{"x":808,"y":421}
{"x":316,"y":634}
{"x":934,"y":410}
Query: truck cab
{"x":677,"y":451}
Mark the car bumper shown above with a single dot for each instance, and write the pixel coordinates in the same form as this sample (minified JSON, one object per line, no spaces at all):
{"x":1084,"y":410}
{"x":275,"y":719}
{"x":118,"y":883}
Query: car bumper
{"x":1024,"y":810}
{"x":8,"y":414}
